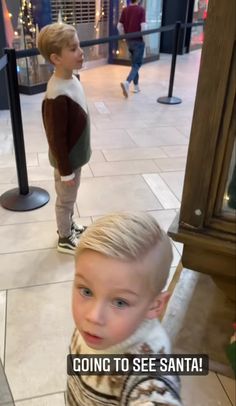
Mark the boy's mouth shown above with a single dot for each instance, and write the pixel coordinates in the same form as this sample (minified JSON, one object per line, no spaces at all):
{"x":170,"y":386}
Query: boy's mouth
{"x":91,"y":338}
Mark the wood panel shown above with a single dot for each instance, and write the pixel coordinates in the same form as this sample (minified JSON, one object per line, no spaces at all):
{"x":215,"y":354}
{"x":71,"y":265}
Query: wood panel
{"x":214,"y":103}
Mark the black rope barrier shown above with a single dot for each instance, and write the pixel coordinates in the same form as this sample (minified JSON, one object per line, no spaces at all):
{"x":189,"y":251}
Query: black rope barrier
{"x":83,"y":44}
{"x":34,"y":51}
{"x":189,"y":25}
{"x":23,"y":198}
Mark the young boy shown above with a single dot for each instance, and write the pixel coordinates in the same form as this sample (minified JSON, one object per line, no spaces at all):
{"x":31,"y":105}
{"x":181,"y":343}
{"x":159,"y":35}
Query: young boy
{"x":122,"y":265}
{"x":66,"y":122}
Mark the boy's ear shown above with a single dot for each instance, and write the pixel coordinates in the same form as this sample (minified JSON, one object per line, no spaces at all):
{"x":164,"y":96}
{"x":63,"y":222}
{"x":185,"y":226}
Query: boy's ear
{"x":55,"y":59}
{"x":158,"y":305}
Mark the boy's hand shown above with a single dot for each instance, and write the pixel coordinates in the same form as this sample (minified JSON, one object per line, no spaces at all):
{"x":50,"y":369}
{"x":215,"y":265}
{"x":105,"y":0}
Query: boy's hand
{"x":69,"y":183}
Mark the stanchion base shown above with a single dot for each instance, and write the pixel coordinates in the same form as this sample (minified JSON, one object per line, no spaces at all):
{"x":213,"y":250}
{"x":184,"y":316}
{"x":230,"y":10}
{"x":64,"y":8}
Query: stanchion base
{"x":169,"y":100}
{"x":13,"y":200}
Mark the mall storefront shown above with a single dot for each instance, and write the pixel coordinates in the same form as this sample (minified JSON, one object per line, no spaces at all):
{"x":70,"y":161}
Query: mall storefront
{"x":118,"y":52}
{"x":186,"y":11}
{"x":93,"y":19}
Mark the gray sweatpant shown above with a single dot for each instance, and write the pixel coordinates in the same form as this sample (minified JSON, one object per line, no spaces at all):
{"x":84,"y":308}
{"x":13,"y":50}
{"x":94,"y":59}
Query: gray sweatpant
{"x":66,"y":197}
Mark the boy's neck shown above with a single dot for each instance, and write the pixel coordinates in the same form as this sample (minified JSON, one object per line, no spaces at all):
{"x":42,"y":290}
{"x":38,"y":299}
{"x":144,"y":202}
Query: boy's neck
{"x":63,"y":74}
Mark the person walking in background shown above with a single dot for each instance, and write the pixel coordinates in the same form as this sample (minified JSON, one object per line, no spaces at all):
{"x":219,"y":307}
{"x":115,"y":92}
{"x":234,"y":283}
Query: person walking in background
{"x":132,"y":19}
{"x":66,"y":122}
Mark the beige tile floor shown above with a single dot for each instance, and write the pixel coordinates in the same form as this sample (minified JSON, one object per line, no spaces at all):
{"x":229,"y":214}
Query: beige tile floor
{"x":138,"y":163}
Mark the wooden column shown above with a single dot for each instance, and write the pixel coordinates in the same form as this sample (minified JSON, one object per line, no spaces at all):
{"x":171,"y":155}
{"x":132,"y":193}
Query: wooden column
{"x":208,"y":232}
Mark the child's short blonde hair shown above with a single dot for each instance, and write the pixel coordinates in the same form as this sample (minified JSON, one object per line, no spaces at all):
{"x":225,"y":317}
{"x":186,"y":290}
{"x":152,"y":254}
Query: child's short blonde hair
{"x":53,"y":37}
{"x":130,"y":237}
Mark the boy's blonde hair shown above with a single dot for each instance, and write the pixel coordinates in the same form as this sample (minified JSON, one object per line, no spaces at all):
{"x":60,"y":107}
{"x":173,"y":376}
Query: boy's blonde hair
{"x":53,"y":37}
{"x":130,"y":237}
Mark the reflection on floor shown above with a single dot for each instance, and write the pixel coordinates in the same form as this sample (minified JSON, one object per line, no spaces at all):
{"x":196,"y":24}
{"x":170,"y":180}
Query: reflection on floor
{"x":139,"y":151}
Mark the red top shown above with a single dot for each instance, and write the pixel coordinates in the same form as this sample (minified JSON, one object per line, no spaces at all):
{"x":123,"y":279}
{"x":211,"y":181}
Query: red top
{"x":131,"y":17}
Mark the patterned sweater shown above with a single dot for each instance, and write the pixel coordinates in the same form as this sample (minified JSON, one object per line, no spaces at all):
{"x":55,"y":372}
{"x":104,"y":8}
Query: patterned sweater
{"x":67,"y":126}
{"x":125,"y":390}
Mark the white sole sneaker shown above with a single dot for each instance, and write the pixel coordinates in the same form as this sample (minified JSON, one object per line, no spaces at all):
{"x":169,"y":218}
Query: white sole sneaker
{"x":67,"y":245}
{"x":65,"y":250}
{"x":136,"y":89}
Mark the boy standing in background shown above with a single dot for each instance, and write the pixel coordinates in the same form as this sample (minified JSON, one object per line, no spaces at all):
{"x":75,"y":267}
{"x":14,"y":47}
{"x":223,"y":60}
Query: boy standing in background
{"x":67,"y":126}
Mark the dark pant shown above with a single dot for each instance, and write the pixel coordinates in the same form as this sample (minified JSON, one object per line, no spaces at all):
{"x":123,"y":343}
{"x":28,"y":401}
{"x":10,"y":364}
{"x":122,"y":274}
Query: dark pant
{"x":136,"y":49}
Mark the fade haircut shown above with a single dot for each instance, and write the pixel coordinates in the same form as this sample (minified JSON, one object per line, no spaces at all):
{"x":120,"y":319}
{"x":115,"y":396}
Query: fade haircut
{"x":130,"y":237}
{"x":54,"y":37}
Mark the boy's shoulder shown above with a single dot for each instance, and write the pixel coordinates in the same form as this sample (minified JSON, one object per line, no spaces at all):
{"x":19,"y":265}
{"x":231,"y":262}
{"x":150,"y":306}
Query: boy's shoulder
{"x":153,"y":339}
{"x":70,"y":88}
{"x":57,"y":87}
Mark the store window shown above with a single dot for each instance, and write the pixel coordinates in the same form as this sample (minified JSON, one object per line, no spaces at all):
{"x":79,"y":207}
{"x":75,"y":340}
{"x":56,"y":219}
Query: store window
{"x":32,"y":71}
{"x":199,"y":15}
{"x":153,"y":8}
{"x":153,"y":17}
{"x":25,"y":18}
{"x":90,"y":18}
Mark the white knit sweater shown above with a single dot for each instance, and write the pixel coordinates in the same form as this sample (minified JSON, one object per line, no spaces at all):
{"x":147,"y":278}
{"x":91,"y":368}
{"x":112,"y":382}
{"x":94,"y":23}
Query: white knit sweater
{"x":132,"y":390}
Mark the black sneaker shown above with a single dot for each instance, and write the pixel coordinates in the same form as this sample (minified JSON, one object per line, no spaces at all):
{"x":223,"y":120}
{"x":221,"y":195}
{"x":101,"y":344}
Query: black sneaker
{"x":77,"y":229}
{"x":67,"y":245}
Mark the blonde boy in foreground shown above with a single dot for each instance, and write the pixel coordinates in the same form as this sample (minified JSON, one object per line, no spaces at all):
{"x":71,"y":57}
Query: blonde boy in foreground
{"x":66,"y":122}
{"x":122,"y":265}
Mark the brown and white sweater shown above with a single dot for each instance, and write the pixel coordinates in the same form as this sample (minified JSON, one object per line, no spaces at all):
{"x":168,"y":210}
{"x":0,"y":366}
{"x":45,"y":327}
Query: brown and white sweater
{"x":125,"y":390}
{"x":66,"y":121}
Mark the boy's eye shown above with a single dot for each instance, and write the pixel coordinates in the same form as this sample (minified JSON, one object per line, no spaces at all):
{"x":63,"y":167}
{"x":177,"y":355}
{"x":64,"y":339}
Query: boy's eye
{"x":120,"y":303}
{"x":86,"y":292}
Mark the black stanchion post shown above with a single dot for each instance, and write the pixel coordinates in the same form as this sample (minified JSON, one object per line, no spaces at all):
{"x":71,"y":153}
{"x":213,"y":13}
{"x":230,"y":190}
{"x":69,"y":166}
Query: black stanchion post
{"x":16,"y":122}
{"x":171,"y":99}
{"x":23,"y":198}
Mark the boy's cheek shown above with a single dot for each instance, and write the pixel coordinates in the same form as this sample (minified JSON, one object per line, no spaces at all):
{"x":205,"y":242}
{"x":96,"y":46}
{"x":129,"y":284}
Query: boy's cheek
{"x":75,"y":301}
{"x":73,"y":295}
{"x":75,"y":310}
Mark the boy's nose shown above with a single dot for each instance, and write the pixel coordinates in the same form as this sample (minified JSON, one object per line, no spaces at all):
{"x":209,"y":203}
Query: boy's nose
{"x":96,"y":314}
